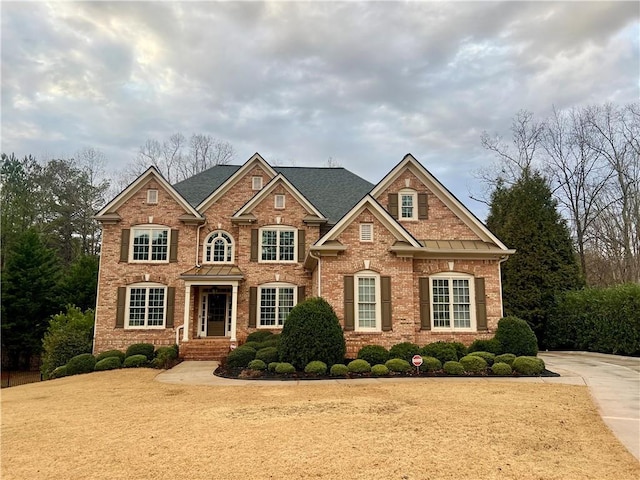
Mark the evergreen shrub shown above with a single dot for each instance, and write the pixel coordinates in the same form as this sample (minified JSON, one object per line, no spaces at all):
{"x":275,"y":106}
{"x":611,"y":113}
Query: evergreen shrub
{"x":374,"y":354}
{"x":110,"y":353}
{"x":443,"y":351}
{"x":83,"y":363}
{"x":259,"y":336}
{"x":473,"y":364}
{"x":500,"y":368}
{"x":272,"y":366}
{"x":240,"y":357}
{"x":165,"y":357}
{"x":338,"y":370}
{"x":404,"y":350}
{"x":257,"y":365}
{"x":430,"y":364}
{"x":507,"y":358}
{"x":135,"y":361}
{"x":316,"y":367}
{"x":59,"y":372}
{"x":491,"y":346}
{"x":359,"y":366}
{"x":267,"y":354}
{"x":515,"y":336}
{"x":379,"y":370}
{"x":399,"y":365}
{"x":145,"y":349}
{"x":107,"y":363}
{"x":528,"y":365}
{"x":255,"y":345}
{"x":284,"y":368}
{"x":488,"y":356}
{"x":453,"y":368}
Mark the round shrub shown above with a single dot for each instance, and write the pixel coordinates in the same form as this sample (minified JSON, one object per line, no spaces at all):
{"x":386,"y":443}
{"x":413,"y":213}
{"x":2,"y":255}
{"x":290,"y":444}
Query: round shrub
{"x":528,"y":365}
{"x":359,"y":366}
{"x":165,"y":357}
{"x":257,"y":365}
{"x":515,"y":336}
{"x":443,"y":351}
{"x":461,"y":349}
{"x":110,"y":353}
{"x":240,"y":357}
{"x":145,"y":349}
{"x":488,"y":356}
{"x":430,"y":364}
{"x":507,"y":358}
{"x":258,"y":336}
{"x":312,"y":332}
{"x":108,"y":363}
{"x":267,"y":354}
{"x":374,"y":354}
{"x":339,"y":370}
{"x":272,"y":341}
{"x":453,"y":368}
{"x":491,"y":346}
{"x":285,"y":368}
{"x":59,"y":372}
{"x":255,"y":345}
{"x":500,"y":368}
{"x":404,"y":350}
{"x":83,"y":363}
{"x":272,"y":366}
{"x":316,"y":367}
{"x":473,"y":364}
{"x":399,"y":365}
{"x":135,"y":361}
{"x":379,"y":370}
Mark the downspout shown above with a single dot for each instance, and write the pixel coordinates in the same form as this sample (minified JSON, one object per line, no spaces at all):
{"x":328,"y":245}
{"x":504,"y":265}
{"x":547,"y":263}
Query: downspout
{"x":95,"y":312}
{"x":197,"y":264}
{"x":500,"y":262}
{"x":319,"y":272}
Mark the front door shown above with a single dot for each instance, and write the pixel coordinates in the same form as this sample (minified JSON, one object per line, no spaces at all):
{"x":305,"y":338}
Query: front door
{"x":216,"y":314}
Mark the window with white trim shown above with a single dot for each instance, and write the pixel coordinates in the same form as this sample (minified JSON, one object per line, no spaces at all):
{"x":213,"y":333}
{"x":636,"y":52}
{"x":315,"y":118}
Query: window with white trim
{"x":152,"y":196}
{"x":275,"y":303}
{"x":366,"y":232}
{"x":452,"y":302}
{"x":279,"y":202}
{"x":368,"y":305}
{"x":150,"y":244}
{"x":146,"y":306}
{"x":278,"y":244}
{"x":218,"y":247}
{"x":256,"y":183}
{"x":407,"y":205}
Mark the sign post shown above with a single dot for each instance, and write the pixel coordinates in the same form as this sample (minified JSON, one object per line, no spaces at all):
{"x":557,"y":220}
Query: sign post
{"x":417,"y":361}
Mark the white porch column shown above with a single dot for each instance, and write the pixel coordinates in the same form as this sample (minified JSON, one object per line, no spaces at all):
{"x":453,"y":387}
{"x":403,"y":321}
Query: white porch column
{"x":187,"y":311}
{"x":234,"y":311}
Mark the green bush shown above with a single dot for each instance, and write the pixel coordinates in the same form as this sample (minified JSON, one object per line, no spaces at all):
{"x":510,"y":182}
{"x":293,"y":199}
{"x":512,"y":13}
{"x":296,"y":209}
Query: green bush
{"x":83,"y":363}
{"x":68,"y":334}
{"x":255,"y":345}
{"x":240,"y":357}
{"x":500,"y":368}
{"x":379,"y":370}
{"x":267,"y":354}
{"x":59,"y":372}
{"x":507,"y":358}
{"x":404,"y":350}
{"x":528,"y":365}
{"x":272,"y":366}
{"x":359,"y":366}
{"x":473,"y":364}
{"x":145,"y":349}
{"x":515,"y":336}
{"x":338,"y":370}
{"x":374,"y":354}
{"x":316,"y":367}
{"x":107,"y":363}
{"x":491,"y":346}
{"x":399,"y":365}
{"x":257,"y":365}
{"x":110,"y":353}
{"x":443,"y":351}
{"x":461,"y":349}
{"x":272,"y":341}
{"x":285,"y":368}
{"x":488,"y":356}
{"x":453,"y":368}
{"x":259,"y":336}
{"x":165,"y":357}
{"x":430,"y":364}
{"x":135,"y":361}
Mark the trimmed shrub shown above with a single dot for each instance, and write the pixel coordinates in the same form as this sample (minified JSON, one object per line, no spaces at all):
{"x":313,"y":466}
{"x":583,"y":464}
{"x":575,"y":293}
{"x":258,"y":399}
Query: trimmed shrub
{"x":316,"y":367}
{"x":107,"y":363}
{"x":430,"y":364}
{"x":258,"y":336}
{"x":145,"y":349}
{"x":374,"y":354}
{"x":528,"y":365}
{"x":404,"y":350}
{"x":267,"y":354}
{"x":491,"y":346}
{"x":135,"y":361}
{"x":488,"y":357}
{"x":338,"y":370}
{"x":359,"y":366}
{"x":399,"y":365}
{"x":500,"y":368}
{"x":312,"y":332}
{"x":255,"y":345}
{"x":461,"y":349}
{"x":515,"y":336}
{"x":240,"y":357}
{"x":453,"y":368}
{"x":165,"y":357}
{"x":59,"y":372}
{"x":272,"y":366}
{"x":83,"y":363}
{"x":443,"y":351}
{"x":379,"y":370}
{"x":285,"y":368}
{"x":257,"y":365}
{"x":272,"y":341}
{"x":473,"y":364}
{"x":507,"y":358}
{"x":110,"y":353}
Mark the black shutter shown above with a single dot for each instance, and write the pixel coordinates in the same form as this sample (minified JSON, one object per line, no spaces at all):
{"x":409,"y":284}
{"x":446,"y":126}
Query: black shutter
{"x":254,"y":245}
{"x":348,"y":303}
{"x":253,"y":306}
{"x":124,"y":245}
{"x":425,"y":304}
{"x":171,"y":299}
{"x":393,"y":204}
{"x":121,"y":305}
{"x":173,"y":248}
{"x":385,"y":296}
{"x":423,"y":206}
{"x":481,"y":306}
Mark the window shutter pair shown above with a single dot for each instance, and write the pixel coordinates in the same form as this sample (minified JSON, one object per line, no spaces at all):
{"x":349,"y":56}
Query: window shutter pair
{"x":425,"y":304}
{"x":255,"y":245}
{"x":423,"y":206}
{"x":349,"y":303}
{"x":124,"y":245}
{"x":122,"y":303}
{"x":253,"y":303}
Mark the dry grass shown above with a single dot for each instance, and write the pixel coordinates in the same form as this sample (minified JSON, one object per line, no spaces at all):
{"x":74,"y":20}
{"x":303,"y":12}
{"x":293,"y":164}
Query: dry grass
{"x":122,"y":424}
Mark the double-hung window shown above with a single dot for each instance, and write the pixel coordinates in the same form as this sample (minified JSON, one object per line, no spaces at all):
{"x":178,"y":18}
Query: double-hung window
{"x":276,"y":301}
{"x":408,"y":205}
{"x":278,"y":244}
{"x":150,"y":244}
{"x":367,"y":286}
{"x":146,"y":306}
{"x":452,"y":303}
{"x":218,"y":248}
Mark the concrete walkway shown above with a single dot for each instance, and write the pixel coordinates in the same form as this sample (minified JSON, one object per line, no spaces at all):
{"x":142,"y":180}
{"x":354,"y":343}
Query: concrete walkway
{"x":613,"y":381}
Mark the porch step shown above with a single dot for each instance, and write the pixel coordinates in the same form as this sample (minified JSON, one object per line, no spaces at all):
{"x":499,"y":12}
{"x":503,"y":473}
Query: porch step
{"x":204,"y":349}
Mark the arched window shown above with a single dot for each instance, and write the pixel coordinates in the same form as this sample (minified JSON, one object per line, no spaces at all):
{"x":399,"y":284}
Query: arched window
{"x":218,"y":247}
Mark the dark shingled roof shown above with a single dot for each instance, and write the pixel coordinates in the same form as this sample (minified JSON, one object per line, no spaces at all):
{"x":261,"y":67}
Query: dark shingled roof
{"x":333,"y":191}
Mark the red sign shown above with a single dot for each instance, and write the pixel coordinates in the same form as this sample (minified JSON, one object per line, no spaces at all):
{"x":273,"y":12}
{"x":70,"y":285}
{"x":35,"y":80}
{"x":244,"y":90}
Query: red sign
{"x":416,"y":360}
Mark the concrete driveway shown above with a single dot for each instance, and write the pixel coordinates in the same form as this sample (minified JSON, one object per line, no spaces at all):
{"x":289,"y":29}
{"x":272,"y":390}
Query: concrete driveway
{"x":614,"y":383}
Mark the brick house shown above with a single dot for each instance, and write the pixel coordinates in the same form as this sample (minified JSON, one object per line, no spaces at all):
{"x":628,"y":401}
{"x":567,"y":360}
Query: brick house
{"x":231,"y":250}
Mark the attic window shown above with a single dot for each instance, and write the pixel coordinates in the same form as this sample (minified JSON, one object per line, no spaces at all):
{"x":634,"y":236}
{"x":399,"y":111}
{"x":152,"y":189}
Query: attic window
{"x":256,"y":183}
{"x":279,"y":202}
{"x":152,"y":196}
{"x":366,"y":232}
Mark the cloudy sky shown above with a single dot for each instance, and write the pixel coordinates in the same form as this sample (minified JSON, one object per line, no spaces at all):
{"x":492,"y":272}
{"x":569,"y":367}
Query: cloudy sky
{"x":298,"y":82}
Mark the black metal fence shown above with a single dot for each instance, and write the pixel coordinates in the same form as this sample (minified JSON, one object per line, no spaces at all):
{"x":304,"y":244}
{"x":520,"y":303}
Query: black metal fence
{"x":13,"y":378}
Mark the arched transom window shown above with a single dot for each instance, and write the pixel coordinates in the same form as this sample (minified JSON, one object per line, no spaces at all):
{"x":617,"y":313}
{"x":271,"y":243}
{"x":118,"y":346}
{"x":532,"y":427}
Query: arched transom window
{"x":218,"y":248}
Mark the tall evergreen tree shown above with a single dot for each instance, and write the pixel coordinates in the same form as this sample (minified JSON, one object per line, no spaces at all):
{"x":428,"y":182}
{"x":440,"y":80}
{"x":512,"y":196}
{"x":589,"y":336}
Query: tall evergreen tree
{"x":525,"y":217}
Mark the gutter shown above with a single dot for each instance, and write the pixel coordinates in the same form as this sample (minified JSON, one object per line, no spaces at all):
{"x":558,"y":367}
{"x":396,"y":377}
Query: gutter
{"x":318,"y":258}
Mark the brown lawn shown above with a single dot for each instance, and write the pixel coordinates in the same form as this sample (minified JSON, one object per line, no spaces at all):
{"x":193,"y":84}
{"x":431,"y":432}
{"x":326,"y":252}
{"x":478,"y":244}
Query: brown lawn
{"x":123,"y":424}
